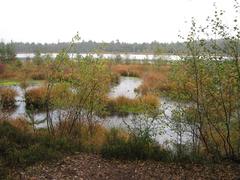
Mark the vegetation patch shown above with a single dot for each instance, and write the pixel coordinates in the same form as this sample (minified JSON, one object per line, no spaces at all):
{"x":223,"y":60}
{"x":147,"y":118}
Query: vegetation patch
{"x":8,"y":83}
{"x":36,"y":97}
{"x":133,"y":70}
{"x":131,"y":147}
{"x":7,"y":97}
{"x":156,"y":80}
{"x":123,"y":105}
{"x":21,"y":148}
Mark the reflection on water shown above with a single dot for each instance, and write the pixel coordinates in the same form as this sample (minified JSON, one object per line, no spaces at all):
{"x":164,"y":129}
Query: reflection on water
{"x":20,"y":101}
{"x":126,"y":87}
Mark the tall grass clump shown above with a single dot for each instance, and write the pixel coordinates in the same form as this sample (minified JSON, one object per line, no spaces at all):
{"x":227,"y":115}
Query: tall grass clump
{"x":133,"y":70}
{"x":156,"y":81}
{"x":7,"y":97}
{"x":35,"y":97}
{"x":38,"y":76}
{"x":123,"y":105}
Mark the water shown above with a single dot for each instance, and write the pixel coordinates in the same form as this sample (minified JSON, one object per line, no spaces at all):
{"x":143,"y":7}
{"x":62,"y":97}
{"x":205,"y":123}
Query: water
{"x":126,"y":88}
{"x":164,"y":134}
{"x":20,"y":103}
{"x":108,"y":56}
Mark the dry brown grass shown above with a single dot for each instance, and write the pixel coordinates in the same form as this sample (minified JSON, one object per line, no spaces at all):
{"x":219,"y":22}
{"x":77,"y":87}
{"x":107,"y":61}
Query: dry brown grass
{"x":122,"y":100}
{"x":123,"y":105}
{"x":35,"y":97}
{"x":155,"y":82}
{"x":84,"y":134}
{"x":20,"y":123}
{"x":7,"y":96}
{"x":150,"y":100}
{"x":27,"y":71}
{"x":9,"y":72}
{"x":146,"y":99}
{"x":95,"y":140}
{"x":135,"y":70}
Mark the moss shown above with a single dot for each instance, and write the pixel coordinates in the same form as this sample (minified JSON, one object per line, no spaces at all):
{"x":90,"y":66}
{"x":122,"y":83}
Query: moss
{"x":15,"y":83}
{"x":9,"y":83}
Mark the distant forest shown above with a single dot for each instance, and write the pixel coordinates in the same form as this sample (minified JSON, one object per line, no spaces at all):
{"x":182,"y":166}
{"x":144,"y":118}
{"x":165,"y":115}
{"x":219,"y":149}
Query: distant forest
{"x":96,"y":47}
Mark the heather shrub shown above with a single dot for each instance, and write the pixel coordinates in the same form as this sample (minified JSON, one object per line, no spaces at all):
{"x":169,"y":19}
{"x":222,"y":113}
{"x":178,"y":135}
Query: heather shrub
{"x":132,"y":148}
{"x":22,"y":148}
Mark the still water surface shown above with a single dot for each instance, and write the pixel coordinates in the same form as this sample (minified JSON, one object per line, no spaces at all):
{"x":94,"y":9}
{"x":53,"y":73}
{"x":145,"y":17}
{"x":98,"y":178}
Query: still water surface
{"x":170,"y":57}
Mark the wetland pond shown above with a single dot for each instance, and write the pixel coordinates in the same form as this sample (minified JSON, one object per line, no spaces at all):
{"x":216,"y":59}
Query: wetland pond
{"x":126,"y":87}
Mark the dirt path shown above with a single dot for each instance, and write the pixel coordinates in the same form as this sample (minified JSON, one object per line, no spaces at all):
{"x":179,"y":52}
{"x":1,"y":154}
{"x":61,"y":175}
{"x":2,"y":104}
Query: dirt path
{"x":89,"y":166}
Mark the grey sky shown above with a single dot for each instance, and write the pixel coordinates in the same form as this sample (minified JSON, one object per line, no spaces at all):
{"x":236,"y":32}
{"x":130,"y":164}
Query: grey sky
{"x":101,"y":20}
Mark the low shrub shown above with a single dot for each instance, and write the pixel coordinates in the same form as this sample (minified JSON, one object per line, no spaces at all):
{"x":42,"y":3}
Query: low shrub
{"x":90,"y":136}
{"x":22,"y":148}
{"x":4,"y":171}
{"x":132,"y":148}
{"x":92,"y":142}
{"x":11,"y":141}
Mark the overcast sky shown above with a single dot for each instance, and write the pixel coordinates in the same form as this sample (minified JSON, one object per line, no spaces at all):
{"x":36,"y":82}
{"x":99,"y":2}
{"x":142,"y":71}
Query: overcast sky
{"x":101,"y":20}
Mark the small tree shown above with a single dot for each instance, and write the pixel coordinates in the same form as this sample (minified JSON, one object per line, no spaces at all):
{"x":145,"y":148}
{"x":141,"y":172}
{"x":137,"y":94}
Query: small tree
{"x":37,"y":59}
{"x":7,"y":52}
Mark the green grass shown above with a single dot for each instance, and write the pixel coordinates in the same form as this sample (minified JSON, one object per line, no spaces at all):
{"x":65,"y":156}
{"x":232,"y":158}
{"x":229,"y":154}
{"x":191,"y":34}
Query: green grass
{"x":15,"y":83}
{"x":8,"y":83}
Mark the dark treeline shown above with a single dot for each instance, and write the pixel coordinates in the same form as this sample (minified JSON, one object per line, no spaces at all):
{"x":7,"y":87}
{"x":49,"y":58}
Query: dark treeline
{"x":95,"y":47}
